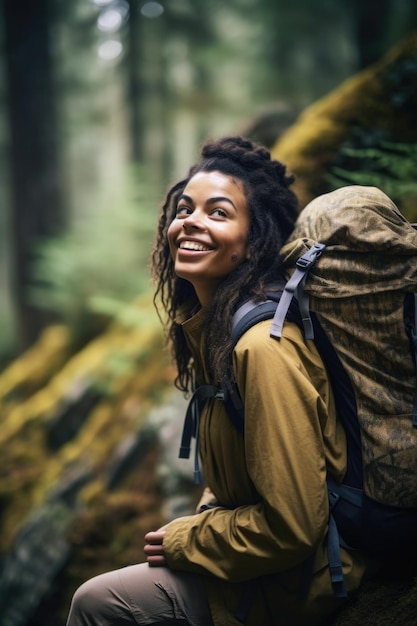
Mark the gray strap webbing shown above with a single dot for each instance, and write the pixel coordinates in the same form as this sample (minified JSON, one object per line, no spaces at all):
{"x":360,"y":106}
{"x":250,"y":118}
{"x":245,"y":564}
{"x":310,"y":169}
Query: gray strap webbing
{"x":304,"y":307}
{"x":335,"y":561}
{"x":348,"y":493}
{"x":296,"y":284}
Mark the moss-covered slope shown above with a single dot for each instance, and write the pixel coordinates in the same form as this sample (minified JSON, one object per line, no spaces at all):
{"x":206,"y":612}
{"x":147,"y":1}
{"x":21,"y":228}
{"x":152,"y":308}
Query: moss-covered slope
{"x":78,"y":478}
{"x":364,"y":132}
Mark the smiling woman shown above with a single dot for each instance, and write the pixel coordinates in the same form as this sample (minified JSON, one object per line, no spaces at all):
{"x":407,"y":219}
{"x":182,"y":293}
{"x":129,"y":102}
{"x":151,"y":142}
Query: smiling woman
{"x":208,"y":236}
{"x":244,"y":174}
{"x":256,"y":551}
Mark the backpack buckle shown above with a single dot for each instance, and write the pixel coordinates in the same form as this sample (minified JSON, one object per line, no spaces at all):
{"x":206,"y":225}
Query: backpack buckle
{"x":311,"y":256}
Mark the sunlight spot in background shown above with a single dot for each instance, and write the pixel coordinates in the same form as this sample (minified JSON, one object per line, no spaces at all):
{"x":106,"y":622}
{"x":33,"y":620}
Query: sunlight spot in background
{"x":110,"y":20}
{"x":110,"y":50}
{"x":152,"y":9}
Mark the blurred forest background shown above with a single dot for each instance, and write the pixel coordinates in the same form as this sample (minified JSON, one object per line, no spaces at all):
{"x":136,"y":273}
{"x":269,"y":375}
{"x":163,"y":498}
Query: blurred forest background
{"x":103,"y":104}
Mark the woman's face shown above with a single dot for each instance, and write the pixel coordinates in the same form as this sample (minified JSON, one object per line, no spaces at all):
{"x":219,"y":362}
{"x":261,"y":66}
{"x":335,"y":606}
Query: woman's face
{"x":208,"y":235}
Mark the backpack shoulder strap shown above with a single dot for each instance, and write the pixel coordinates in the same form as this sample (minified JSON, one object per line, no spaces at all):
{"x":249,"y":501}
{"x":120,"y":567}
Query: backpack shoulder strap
{"x":249,"y":314}
{"x":295,"y":286}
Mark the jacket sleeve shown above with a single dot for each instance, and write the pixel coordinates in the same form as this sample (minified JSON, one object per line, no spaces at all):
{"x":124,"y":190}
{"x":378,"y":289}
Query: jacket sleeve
{"x":287,"y":429}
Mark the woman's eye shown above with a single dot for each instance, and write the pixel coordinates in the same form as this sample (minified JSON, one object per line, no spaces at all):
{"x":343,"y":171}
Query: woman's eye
{"x":220,"y":212}
{"x":183,"y":210}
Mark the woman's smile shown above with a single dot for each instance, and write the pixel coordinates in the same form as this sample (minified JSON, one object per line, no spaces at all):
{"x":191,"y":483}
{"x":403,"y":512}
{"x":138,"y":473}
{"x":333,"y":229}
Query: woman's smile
{"x":193,"y":245}
{"x":208,"y":236}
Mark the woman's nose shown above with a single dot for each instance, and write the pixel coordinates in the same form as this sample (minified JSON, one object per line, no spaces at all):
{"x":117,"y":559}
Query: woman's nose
{"x":193,"y":221}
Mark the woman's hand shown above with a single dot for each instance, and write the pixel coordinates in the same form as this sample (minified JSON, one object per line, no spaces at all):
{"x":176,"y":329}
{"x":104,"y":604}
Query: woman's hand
{"x":154,"y":549}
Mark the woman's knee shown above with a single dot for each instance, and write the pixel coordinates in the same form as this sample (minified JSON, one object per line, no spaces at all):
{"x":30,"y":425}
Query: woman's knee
{"x":96,"y":600}
{"x":88,"y":598}
{"x":139,"y":594}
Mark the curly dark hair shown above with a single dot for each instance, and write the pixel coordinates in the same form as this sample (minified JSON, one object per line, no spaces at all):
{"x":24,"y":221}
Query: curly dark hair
{"x":272,"y":210}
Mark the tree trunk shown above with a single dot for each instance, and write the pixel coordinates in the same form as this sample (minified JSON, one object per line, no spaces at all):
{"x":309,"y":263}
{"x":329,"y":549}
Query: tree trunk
{"x":371,"y":23}
{"x":134,"y":81}
{"x":37,"y":209}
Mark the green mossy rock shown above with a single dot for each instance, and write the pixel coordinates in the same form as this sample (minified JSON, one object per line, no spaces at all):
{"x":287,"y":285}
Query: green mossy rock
{"x":364,"y":132}
{"x":79,"y":483}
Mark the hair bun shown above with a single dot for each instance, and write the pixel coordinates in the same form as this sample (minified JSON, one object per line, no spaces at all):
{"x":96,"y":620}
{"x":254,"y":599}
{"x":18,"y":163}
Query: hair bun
{"x":237,"y":149}
{"x":246,"y":154}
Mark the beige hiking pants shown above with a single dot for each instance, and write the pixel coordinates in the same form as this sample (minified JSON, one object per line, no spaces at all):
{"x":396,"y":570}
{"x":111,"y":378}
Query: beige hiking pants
{"x":140,"y":594}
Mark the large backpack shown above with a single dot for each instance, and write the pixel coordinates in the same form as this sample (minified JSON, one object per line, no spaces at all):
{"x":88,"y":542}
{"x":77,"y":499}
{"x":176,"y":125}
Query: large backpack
{"x":351,"y":262}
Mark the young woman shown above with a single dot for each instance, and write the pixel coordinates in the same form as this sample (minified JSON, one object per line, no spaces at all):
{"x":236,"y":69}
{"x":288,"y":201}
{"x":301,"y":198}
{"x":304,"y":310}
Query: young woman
{"x":255,"y":553}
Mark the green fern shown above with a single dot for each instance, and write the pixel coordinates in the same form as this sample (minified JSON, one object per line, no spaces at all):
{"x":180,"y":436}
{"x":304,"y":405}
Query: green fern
{"x":390,"y":166}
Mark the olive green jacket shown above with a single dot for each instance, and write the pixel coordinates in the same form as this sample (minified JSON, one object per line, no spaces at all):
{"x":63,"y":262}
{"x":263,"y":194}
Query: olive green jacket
{"x":266,"y":540}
